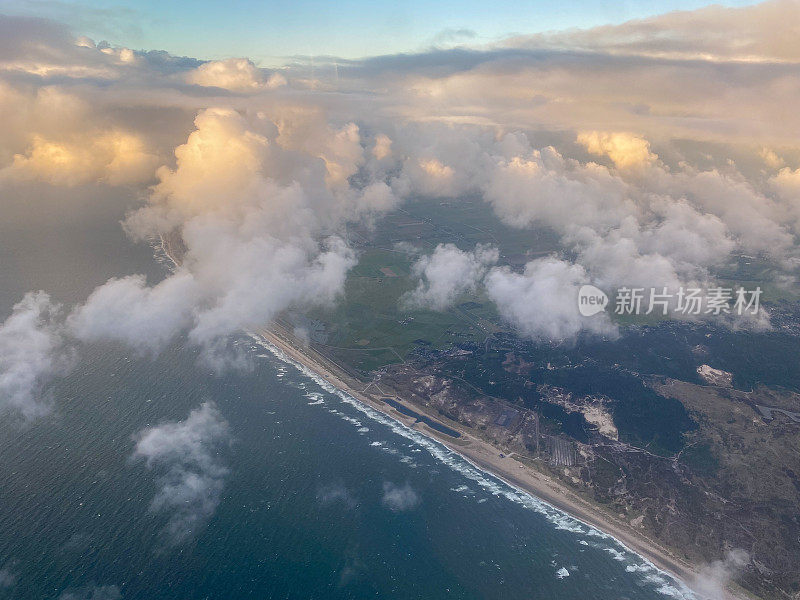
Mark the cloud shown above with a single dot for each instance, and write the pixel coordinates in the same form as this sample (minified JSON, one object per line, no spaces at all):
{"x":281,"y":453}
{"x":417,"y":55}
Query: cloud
{"x":129,"y":311}
{"x":617,"y":140}
{"x":399,"y":498}
{"x":31,"y":351}
{"x":636,"y":221}
{"x":786,"y":183}
{"x":451,"y":35}
{"x":713,"y":578}
{"x":336,"y":493}
{"x":113,"y":157}
{"x":383,"y":147}
{"x":57,"y":137}
{"x":625,"y":150}
{"x":763,"y":33}
{"x":671,"y":76}
{"x":448,"y":273}
{"x":8,"y":578}
{"x":542,"y":302}
{"x":93,"y":592}
{"x":190,"y":476}
{"x":251,"y":214}
{"x":234,"y":74}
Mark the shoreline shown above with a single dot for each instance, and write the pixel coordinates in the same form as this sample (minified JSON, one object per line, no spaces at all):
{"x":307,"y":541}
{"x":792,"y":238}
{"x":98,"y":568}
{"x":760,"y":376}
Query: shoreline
{"x":486,"y":458}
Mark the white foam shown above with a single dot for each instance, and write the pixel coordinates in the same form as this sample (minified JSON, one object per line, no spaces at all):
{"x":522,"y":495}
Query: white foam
{"x":616,"y":554}
{"x":316,"y":399}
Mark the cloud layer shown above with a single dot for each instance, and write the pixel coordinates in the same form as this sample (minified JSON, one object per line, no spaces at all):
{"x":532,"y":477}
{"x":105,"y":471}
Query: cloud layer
{"x":652,"y":153}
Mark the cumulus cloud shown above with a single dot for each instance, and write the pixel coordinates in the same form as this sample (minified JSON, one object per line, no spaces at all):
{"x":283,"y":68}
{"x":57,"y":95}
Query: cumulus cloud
{"x":382,"y":147}
{"x":786,"y":183}
{"x":190,"y":475}
{"x":234,"y":74}
{"x":129,"y":311}
{"x":56,"y":137}
{"x":399,"y":498}
{"x":448,"y":273}
{"x":258,"y":222}
{"x":542,"y":302}
{"x":625,"y":150}
{"x":31,"y":351}
{"x":636,"y":221}
{"x":113,"y":157}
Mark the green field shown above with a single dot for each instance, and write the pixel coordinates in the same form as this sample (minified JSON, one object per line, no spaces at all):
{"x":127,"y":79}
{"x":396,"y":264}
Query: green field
{"x":368,"y":328}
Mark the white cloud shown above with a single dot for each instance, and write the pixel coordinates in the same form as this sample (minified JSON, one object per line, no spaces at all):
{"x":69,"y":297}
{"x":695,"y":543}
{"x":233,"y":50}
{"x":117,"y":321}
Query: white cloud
{"x":448,"y":273}
{"x":336,"y":493}
{"x":383,"y":147}
{"x":190,"y":476}
{"x":251,"y":215}
{"x":786,"y":184}
{"x":234,"y":74}
{"x":625,"y":150}
{"x":712,"y":579}
{"x":399,"y":498}
{"x":31,"y":351}
{"x":542,"y":302}
{"x":129,"y":311}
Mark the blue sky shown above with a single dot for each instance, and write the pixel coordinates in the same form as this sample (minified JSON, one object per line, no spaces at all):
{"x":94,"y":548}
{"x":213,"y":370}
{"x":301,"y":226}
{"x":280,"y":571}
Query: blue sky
{"x":266,"y":30}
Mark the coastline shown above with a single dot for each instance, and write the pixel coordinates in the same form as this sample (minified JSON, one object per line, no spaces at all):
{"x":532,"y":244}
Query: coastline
{"x":483,"y":455}
{"x":487,"y":458}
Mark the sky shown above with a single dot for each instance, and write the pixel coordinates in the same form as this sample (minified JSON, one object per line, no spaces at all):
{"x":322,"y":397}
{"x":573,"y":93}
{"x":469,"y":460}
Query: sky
{"x":267,"y":31}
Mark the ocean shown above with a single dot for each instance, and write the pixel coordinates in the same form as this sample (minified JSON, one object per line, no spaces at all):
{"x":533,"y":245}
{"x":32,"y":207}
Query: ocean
{"x":313,"y":494}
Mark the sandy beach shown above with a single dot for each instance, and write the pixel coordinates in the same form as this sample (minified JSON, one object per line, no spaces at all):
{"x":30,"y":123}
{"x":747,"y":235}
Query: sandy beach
{"x":488,"y":458}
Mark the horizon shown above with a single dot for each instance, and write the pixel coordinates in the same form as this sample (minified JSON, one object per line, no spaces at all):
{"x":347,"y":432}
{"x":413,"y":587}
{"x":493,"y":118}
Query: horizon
{"x":272,"y":33}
